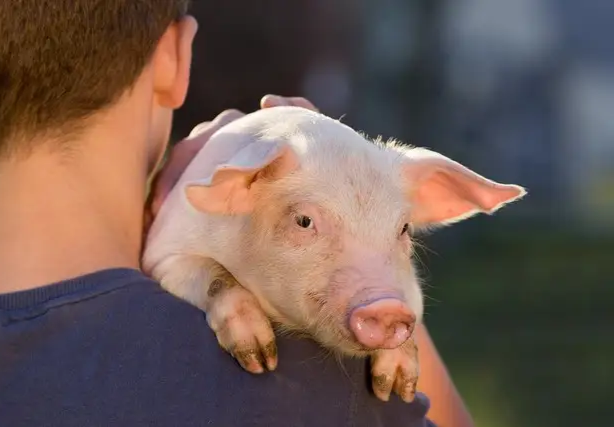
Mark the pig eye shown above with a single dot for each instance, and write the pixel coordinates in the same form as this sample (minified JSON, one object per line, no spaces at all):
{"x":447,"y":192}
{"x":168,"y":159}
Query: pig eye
{"x":303,"y":221}
{"x":405,"y":229}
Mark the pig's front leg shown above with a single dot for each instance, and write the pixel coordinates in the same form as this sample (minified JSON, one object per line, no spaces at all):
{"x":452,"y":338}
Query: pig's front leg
{"x":397,"y":370}
{"x":233,"y":313}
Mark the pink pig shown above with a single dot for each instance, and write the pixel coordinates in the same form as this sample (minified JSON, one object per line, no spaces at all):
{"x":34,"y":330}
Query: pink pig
{"x":291,"y":217}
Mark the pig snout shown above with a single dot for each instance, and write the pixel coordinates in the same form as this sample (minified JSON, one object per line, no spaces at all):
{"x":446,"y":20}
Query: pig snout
{"x":382,"y":324}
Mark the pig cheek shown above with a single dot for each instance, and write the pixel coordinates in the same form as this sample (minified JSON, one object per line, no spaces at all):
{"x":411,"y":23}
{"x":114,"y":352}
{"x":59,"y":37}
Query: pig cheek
{"x":324,"y":320}
{"x":415,"y":299}
{"x":408,"y":277}
{"x":297,"y":237}
{"x":298,"y":280}
{"x":402,"y":257}
{"x":317,"y":268}
{"x":411,"y":288}
{"x":406,"y":246}
{"x":316,"y":301}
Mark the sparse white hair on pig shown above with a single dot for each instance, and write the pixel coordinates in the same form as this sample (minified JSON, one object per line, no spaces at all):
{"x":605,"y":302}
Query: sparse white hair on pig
{"x":289,"y":216}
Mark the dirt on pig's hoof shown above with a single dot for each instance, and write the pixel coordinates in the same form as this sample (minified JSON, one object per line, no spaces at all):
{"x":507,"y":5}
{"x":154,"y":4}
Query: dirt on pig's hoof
{"x":250,"y":360}
{"x":270,"y":355}
{"x":395,"y":370}
{"x":382,"y":385}
{"x":257,"y":361}
{"x":406,"y":389}
{"x":243,"y":329}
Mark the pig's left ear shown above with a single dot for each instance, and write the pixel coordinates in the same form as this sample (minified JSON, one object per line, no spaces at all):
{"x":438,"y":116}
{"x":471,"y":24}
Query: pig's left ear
{"x":230,"y":189}
{"x":442,"y":191}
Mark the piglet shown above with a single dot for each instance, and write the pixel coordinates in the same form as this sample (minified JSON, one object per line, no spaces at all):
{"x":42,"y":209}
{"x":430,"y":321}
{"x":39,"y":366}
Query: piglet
{"x":287,"y":217}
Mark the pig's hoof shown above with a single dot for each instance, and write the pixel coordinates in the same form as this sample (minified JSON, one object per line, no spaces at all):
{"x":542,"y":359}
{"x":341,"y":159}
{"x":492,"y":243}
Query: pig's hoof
{"x":397,"y":370}
{"x":243,"y":329}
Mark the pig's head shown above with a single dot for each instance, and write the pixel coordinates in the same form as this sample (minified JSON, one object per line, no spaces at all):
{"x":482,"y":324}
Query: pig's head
{"x":327,"y":218}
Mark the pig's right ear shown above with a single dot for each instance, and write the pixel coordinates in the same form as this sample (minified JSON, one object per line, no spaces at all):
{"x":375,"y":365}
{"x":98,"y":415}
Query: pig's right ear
{"x":230,"y":190}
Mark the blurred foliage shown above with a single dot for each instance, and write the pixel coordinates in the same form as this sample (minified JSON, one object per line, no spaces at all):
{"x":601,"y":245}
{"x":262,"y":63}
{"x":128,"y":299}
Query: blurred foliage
{"x":524,"y":320}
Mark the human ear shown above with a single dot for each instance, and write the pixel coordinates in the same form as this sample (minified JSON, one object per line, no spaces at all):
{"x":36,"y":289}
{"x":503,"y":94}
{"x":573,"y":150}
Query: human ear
{"x":171,"y":62}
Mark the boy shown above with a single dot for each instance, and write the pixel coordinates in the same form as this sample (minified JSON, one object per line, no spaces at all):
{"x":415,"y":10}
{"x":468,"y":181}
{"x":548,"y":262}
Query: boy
{"x":87,"y":91}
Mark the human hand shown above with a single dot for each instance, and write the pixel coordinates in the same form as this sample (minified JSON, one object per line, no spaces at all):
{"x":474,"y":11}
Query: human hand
{"x":184,"y":151}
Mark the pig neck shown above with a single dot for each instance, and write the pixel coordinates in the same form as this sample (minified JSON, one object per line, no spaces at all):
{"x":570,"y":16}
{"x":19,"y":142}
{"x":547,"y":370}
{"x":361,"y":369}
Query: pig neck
{"x":63,"y":215}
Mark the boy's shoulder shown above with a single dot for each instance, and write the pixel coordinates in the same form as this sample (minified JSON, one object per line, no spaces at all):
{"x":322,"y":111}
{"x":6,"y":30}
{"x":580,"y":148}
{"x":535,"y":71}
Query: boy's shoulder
{"x":115,"y":348}
{"x":110,"y":348}
{"x":117,"y":301}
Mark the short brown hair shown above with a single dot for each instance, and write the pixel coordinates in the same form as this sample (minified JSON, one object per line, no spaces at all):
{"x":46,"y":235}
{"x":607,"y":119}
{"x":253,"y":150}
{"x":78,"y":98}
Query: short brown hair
{"x":63,"y":60}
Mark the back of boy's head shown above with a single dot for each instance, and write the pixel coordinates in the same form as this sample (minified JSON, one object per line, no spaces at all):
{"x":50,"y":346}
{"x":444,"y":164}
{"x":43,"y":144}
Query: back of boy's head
{"x":61,"y":61}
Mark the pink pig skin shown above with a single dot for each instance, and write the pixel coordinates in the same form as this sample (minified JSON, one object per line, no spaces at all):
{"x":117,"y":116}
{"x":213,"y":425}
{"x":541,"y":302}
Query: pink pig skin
{"x":291,"y":217}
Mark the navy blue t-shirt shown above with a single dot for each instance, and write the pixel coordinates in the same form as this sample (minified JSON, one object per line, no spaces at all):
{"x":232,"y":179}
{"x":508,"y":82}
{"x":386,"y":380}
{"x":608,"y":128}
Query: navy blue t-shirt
{"x":114,"y":349}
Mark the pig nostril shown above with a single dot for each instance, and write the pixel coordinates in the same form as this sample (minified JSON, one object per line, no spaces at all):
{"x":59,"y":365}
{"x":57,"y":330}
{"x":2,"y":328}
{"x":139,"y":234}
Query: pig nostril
{"x":392,"y":331}
{"x":401,"y":331}
{"x":377,"y":333}
{"x":381,"y":325}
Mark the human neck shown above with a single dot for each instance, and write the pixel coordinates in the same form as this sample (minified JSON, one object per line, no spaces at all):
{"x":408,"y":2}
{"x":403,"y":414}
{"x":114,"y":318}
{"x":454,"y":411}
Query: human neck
{"x":62,"y":216}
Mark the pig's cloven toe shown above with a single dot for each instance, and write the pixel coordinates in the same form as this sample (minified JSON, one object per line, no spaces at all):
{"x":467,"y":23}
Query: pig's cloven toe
{"x":270,"y":355}
{"x":250,"y":360}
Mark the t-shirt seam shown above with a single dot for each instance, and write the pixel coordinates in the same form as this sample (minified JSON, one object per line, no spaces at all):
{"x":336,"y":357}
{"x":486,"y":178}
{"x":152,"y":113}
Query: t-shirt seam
{"x":8,"y":316}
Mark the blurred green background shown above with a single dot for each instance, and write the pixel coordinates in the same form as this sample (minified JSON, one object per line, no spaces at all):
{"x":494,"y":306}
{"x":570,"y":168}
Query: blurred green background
{"x":519,"y":304}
